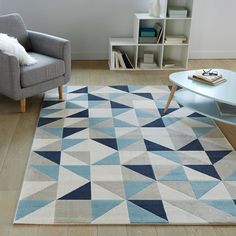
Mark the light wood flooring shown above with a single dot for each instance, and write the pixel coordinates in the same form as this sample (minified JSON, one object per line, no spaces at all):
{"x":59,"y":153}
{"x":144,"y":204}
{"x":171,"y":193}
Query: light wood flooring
{"x":16,"y":135}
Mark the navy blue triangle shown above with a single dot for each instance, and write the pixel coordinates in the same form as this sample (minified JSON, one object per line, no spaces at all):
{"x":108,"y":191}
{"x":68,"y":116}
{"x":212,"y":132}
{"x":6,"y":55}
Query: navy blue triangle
{"x":215,"y":156}
{"x":121,"y":87}
{"x":70,"y":131}
{"x":145,"y":95}
{"x":170,"y":87}
{"x":45,"y":121}
{"x":50,"y":103}
{"x":81,"y":193}
{"x":195,"y":114}
{"x":193,"y":146}
{"x":206,"y":169}
{"x":145,"y":170}
{"x":92,"y":97}
{"x":156,"y":123}
{"x":154,"y":206}
{"x":150,"y":146}
{"x":118,"y":105}
{"x":110,"y":142}
{"x":53,"y":156}
{"x":79,"y":114}
{"x":82,"y":90}
{"x":170,"y":110}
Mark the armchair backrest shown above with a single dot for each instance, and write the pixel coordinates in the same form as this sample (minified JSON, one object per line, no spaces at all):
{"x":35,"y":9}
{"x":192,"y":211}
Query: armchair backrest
{"x":14,"y":26}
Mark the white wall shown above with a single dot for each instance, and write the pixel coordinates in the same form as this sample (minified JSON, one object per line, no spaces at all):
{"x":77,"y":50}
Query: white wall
{"x":90,"y":23}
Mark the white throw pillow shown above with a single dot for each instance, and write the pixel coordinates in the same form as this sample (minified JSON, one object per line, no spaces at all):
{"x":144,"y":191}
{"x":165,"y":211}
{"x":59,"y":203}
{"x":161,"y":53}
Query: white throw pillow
{"x":11,"y":45}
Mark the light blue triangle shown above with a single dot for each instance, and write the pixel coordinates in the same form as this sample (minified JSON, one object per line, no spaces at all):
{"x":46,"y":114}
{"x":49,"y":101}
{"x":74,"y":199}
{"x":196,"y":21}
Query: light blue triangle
{"x":177,"y":174}
{"x":123,"y":143}
{"x":54,"y":131}
{"x":140,"y":215}
{"x":204,"y":120}
{"x":71,"y":105}
{"x":201,"y":131}
{"x":83,"y":97}
{"x":202,"y":187}
{"x":83,"y":171}
{"x":118,"y":111}
{"x":160,"y":103}
{"x":112,"y":159}
{"x":119,"y":123}
{"x":93,"y":104}
{"x":227,"y":206}
{"x":108,"y":131}
{"x":143,"y":114}
{"x":134,"y":88}
{"x":26,"y":207}
{"x":133,"y":187}
{"x":170,"y":155}
{"x":100,"y":207}
{"x":46,"y":112}
{"x":170,"y":120}
{"x":67,"y":143}
{"x":50,"y":170}
{"x":113,"y":96}
{"x":95,"y":121}
{"x":231,"y":177}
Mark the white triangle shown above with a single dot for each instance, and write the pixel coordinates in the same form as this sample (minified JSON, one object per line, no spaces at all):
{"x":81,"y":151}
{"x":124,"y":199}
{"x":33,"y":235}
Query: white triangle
{"x":168,"y":193}
{"x":32,"y":187}
{"x":93,"y":147}
{"x":107,"y":89}
{"x":67,"y":159}
{"x":71,"y":96}
{"x":99,"y":193}
{"x":179,"y":216}
{"x":194,"y":175}
{"x":183,"y":112}
{"x":68,"y":181}
{"x":39,"y":143}
{"x":218,"y":192}
{"x":44,"y":215}
{"x":117,"y":215}
{"x":129,"y":117}
{"x":159,"y":160}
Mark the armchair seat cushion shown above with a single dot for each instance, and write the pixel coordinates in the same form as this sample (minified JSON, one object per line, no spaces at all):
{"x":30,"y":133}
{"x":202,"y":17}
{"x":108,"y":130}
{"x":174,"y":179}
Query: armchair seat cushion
{"x":45,"y":69}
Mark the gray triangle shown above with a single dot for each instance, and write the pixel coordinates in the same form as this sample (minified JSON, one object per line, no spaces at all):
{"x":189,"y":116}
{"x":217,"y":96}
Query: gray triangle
{"x":130,"y":175}
{"x":149,"y":193}
{"x":180,"y":186}
{"x":214,"y":144}
{"x":42,"y":134}
{"x":36,"y":159}
{"x":231,"y":188}
{"x":163,"y":170}
{"x":188,"y":159}
{"x":133,"y":134}
{"x":97,"y":134}
{"x":142,"y":159}
{"x":49,"y":193}
{"x":34,"y":175}
{"x":55,"y":124}
{"x":113,"y":186}
{"x":56,"y":146}
{"x":81,"y":156}
{"x":104,"y":124}
{"x":137,"y":146}
{"x":81,"y":123}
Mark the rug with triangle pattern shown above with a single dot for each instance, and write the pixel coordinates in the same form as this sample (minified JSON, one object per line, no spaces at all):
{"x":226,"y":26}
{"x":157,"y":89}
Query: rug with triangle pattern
{"x":109,"y":155}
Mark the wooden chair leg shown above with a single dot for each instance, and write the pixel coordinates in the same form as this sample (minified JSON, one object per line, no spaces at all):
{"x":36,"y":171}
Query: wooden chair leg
{"x":23,"y":105}
{"x":60,"y":91}
{"x":174,"y":87}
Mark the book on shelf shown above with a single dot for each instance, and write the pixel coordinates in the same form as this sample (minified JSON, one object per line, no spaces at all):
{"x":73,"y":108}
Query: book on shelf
{"x":175,"y":39}
{"x":208,"y":79}
{"x":144,"y":65}
{"x":121,"y":60}
{"x":159,"y":31}
{"x":177,"y":12}
{"x":169,"y":63}
{"x":226,"y":109}
{"x":147,"y":32}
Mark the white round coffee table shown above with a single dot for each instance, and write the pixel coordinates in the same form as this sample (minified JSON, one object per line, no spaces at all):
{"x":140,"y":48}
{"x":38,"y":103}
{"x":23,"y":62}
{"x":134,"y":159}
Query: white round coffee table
{"x":203,"y":98}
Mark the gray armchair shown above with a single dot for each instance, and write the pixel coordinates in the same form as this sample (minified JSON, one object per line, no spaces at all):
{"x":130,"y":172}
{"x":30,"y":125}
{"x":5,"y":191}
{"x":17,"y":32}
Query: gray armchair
{"x":52,"y":70}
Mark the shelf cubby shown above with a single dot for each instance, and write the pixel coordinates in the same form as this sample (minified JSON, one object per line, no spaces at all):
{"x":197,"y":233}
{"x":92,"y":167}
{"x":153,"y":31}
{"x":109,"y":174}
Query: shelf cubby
{"x":188,"y":4}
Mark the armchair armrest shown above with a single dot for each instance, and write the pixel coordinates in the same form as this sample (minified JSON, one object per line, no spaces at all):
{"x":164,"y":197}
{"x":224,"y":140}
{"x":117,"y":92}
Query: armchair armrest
{"x":10,"y":76}
{"x":52,"y":46}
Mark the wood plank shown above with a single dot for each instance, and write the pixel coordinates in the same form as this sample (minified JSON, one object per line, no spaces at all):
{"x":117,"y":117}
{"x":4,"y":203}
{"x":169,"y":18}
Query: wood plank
{"x":23,"y":230}
{"x":141,"y":230}
{"x":112,"y":230}
{"x":45,"y":230}
{"x":82,"y":230}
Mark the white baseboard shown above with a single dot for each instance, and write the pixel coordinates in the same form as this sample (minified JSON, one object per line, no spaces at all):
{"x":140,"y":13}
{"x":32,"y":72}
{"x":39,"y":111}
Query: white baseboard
{"x":212,"y":54}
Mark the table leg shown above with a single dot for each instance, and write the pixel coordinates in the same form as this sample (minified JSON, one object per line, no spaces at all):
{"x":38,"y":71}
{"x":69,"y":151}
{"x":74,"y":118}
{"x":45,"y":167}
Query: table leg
{"x":170,"y":97}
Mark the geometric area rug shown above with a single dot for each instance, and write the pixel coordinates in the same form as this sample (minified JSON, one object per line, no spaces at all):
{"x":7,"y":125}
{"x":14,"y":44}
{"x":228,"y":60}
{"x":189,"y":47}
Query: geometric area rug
{"x":109,"y":155}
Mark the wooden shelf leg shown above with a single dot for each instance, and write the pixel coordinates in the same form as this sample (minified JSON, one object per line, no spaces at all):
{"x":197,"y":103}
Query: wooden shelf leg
{"x":170,"y":97}
{"x":23,"y":105}
{"x":60,"y":91}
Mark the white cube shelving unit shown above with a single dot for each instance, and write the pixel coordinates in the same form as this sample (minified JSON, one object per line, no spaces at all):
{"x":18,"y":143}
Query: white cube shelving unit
{"x":171,"y":26}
